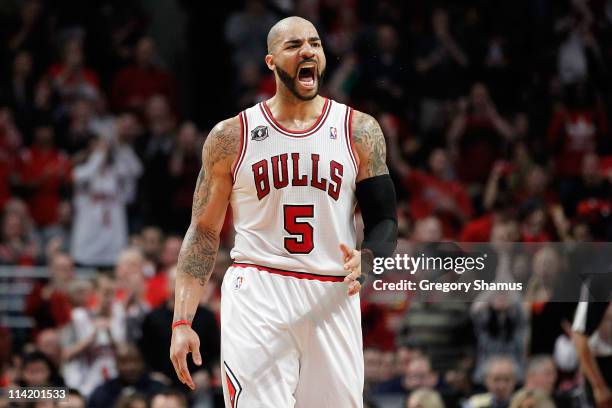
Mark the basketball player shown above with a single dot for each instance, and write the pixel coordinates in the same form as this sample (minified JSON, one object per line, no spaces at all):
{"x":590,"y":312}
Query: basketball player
{"x":292,"y":169}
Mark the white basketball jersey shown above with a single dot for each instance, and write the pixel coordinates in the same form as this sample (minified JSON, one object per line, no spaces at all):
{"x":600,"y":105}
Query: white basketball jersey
{"x":293,"y":198}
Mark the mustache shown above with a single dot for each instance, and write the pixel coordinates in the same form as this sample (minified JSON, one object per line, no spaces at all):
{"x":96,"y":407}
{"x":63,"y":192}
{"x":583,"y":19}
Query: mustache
{"x":306,"y":61}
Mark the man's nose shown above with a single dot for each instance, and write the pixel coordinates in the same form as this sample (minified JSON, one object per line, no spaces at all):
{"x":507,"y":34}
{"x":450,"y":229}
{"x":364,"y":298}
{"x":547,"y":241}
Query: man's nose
{"x":307,"y":51}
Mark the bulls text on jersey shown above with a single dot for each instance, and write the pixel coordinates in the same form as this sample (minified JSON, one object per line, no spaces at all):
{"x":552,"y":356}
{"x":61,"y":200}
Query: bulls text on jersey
{"x":281,"y":178}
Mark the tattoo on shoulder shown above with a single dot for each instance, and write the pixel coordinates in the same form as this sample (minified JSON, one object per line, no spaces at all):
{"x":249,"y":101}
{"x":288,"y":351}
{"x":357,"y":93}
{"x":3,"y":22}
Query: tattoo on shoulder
{"x":370,"y":143}
{"x":222,"y":143}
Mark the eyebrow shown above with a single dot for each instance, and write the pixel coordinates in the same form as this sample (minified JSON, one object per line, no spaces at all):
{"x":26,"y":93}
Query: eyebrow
{"x":297,"y":41}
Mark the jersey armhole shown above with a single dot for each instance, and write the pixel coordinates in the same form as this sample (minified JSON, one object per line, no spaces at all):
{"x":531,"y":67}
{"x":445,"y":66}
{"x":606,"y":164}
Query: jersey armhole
{"x":243,"y":145}
{"x":348,"y":132}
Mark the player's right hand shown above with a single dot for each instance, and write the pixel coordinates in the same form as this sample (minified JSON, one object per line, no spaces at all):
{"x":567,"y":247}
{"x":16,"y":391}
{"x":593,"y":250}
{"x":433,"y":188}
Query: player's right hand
{"x":184,"y":341}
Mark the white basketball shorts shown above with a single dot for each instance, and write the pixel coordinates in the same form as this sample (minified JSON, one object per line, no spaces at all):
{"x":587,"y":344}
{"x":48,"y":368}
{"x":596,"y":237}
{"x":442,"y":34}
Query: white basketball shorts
{"x":289,"y":340}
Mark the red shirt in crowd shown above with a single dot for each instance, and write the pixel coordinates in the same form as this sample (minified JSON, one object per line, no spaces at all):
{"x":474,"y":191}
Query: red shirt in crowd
{"x":84,"y":74}
{"x":134,"y":85}
{"x":156,"y":292}
{"x":478,"y":230}
{"x":6,"y":167}
{"x":480,"y":148}
{"x":571,"y":135}
{"x":428,"y":191}
{"x":51,"y":169}
{"x":48,"y":309}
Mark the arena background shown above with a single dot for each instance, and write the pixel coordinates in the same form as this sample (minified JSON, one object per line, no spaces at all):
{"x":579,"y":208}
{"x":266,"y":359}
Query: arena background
{"x":496,"y":119}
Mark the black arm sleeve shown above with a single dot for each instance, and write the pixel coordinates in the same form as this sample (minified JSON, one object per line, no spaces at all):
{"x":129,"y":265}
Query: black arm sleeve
{"x":376,"y":198}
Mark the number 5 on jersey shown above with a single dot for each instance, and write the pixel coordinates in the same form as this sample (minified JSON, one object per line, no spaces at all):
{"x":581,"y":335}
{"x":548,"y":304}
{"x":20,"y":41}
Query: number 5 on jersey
{"x":302,"y":240}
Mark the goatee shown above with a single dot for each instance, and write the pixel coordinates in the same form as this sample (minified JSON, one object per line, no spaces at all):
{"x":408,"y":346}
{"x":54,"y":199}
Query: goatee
{"x":289,"y":82}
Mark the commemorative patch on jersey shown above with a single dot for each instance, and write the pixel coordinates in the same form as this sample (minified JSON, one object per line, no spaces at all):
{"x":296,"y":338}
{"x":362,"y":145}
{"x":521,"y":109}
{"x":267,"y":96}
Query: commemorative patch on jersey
{"x":259,"y":133}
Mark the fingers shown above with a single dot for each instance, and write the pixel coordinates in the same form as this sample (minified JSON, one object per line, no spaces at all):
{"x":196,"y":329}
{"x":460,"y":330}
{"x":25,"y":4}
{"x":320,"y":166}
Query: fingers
{"x":183,"y":371}
{"x":352,"y":263}
{"x":197,"y":357}
{"x":346,"y":251}
{"x":179,"y":362}
{"x":177,"y":370}
{"x":354,"y":288}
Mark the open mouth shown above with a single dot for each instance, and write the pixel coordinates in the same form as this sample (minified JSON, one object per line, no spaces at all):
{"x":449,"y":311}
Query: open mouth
{"x":307,"y":76}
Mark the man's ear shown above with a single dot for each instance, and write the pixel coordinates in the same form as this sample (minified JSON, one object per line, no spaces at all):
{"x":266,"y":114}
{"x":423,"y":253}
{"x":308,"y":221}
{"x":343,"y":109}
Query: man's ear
{"x":270,"y":62}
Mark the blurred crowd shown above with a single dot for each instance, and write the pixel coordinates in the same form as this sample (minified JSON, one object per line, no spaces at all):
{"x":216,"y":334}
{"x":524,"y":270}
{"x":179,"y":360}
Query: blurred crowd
{"x":496,"y":120}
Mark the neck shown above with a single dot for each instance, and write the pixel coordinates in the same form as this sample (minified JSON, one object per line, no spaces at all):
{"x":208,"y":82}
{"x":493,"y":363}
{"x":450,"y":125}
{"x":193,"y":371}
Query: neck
{"x":284,"y":105}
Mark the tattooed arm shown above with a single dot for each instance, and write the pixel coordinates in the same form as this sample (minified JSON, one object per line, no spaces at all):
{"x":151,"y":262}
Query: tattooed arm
{"x":199,"y":250}
{"x":375,"y":193}
{"x":370,"y":145}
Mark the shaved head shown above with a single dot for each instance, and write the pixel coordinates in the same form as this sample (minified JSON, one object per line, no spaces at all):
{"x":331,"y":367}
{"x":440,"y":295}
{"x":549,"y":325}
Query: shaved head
{"x":282,"y":27}
{"x":295,"y":55}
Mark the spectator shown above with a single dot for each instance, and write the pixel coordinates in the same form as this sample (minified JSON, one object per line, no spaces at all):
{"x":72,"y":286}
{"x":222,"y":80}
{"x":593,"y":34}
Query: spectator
{"x":169,"y":399}
{"x":424,"y":398}
{"x":44,"y":173}
{"x":575,"y":130}
{"x":70,"y":77}
{"x":436,"y":193}
{"x":38,"y":371}
{"x":131,"y":374}
{"x":579,"y":52}
{"x":152,"y":242}
{"x":155,"y":150}
{"x":383,"y":73}
{"x":440,"y":60}
{"x":49,"y":303}
{"x":19,"y":91}
{"x":135,"y":84}
{"x":526,"y":398}
{"x":247,"y":30}
{"x":418,"y":374}
{"x":501,"y":328}
{"x":184,"y":165}
{"x":75,"y":400}
{"x":100,"y":225}
{"x":428,"y":229}
{"x":129,"y":273}
{"x":501,"y":375}
{"x":591,"y":192}
{"x":477,"y":135}
{"x":91,"y":337}
{"x":79,"y":133}
{"x":157,"y":286}
{"x":553,"y":285}
{"x":541,"y":376}
{"x":157,"y":325}
{"x":17,"y":242}
{"x":10,"y":143}
{"x":33,"y":32}
{"x":132,"y":401}
{"x":372,"y":373}
{"x":48,"y":343}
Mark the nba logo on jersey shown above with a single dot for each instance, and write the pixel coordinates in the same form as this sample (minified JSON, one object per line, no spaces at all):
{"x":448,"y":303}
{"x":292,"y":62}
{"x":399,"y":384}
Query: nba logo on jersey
{"x":333,"y":133}
{"x":238,"y":282}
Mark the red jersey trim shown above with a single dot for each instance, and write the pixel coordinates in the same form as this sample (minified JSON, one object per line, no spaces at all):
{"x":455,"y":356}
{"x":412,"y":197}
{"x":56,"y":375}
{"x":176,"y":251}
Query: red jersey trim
{"x":348,"y":133}
{"x":299,"y":275}
{"x":244,"y":140}
{"x":296,"y":133}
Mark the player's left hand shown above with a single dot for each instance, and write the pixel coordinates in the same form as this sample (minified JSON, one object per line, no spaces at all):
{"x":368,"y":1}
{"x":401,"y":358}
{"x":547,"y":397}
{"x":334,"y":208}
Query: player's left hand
{"x":352,"y":264}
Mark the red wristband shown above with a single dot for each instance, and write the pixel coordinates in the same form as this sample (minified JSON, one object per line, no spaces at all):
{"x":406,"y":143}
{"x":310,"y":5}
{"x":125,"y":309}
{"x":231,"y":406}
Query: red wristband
{"x":180,"y":323}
